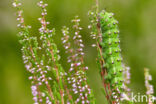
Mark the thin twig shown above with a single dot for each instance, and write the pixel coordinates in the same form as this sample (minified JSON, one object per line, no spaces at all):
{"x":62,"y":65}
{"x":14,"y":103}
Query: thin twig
{"x":99,"y":48}
{"x":97,"y":6}
{"x":48,"y":86}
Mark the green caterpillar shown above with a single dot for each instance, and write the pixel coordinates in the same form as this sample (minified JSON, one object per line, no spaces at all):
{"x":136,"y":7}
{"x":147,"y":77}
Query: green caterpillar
{"x":111,"y":50}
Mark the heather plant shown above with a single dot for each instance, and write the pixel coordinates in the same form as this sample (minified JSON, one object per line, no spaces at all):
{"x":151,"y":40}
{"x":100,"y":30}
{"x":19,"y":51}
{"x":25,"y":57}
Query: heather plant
{"x":149,"y":87}
{"x":53,"y":84}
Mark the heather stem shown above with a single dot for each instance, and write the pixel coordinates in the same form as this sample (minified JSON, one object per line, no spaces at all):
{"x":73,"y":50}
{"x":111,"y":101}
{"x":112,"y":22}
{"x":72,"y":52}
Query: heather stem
{"x":99,"y":48}
{"x":97,"y":6}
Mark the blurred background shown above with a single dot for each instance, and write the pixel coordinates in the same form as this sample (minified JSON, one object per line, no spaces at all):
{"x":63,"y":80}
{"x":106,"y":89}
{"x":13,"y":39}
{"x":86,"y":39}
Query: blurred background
{"x":137,"y":23}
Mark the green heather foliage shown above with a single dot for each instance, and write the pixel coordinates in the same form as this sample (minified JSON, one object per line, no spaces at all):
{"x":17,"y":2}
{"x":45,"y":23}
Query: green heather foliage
{"x":53,"y":84}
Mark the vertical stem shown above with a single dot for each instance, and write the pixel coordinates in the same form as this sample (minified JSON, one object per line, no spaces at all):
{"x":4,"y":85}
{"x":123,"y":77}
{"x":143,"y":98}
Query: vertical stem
{"x":35,"y":77}
{"x":57,"y":73}
{"x":97,"y":6}
{"x":47,"y":85}
{"x":99,"y":48}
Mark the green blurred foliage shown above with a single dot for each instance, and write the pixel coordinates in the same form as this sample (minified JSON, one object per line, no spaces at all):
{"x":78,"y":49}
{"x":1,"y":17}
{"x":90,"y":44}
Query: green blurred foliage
{"x":137,"y":22}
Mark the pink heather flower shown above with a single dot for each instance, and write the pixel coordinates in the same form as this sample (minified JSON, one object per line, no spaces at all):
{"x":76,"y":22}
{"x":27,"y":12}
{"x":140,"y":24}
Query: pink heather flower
{"x":35,"y":99}
{"x":72,"y":65}
{"x":83,"y":102}
{"x":77,"y":100}
{"x":14,"y":4}
{"x":34,"y":91}
{"x":39,"y":83}
{"x":82,"y":53}
{"x":86,"y":68}
{"x":75,"y":92}
{"x":68,"y":102}
{"x":30,"y":77}
{"x":66,"y":47}
{"x":33,"y":87}
{"x":74,"y":85}
{"x":46,"y":82}
{"x":74,"y":37}
{"x":76,"y":33}
{"x":69,"y":82}
{"x":50,"y":78}
{"x":87,"y":102}
{"x":80,"y":40}
{"x":28,"y":66}
{"x":81,"y":45}
{"x":89,"y":26}
{"x":68,"y":78}
{"x":81,"y":94}
{"x":78,"y":64}
{"x":93,"y":45}
{"x":150,"y":77}
{"x":85,"y":79}
{"x":69,"y":60}
{"x":80,"y":49}
{"x":80,"y":28}
{"x":73,"y":80}
{"x":79,"y":36}
{"x":64,"y":41}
